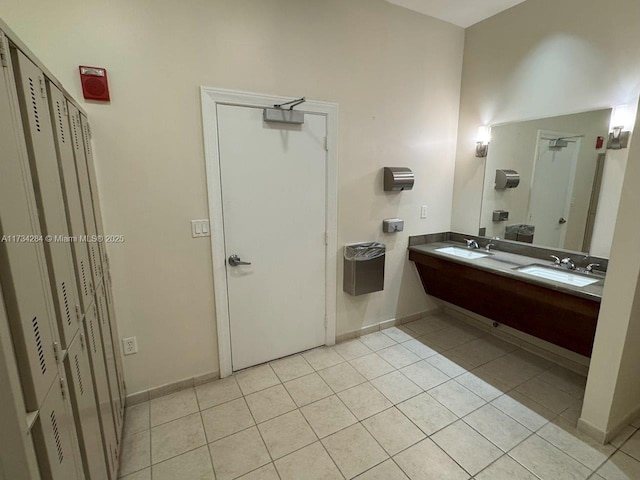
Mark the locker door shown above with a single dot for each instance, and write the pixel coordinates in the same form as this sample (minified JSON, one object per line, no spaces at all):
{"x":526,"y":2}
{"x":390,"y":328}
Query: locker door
{"x":101,"y":388}
{"x":85,"y":410}
{"x":85,"y":193}
{"x":108,"y":288}
{"x":47,"y":184}
{"x":23,"y":266}
{"x":71,"y":193}
{"x":109,"y":358}
{"x":53,"y":438}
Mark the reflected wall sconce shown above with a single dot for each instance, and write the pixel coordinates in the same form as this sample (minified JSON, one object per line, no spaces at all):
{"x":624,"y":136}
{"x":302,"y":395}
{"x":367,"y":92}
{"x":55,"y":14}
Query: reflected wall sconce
{"x":620,"y":129}
{"x":482,"y":142}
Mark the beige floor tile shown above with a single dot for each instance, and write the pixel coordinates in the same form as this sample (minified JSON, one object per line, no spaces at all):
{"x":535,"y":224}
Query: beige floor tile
{"x":449,"y":364}
{"x":354,"y":450}
{"x":546,"y":395}
{"x":371,"y":366}
{"x":256,"y":378}
{"x":289,"y":368}
{"x":140,"y":475}
{"x":341,"y":376}
{"x":427,"y":325}
{"x":328,"y":415}
{"x":498,"y":427}
{"x":572,"y":414}
{"x":364,"y":400}
{"x":505,"y":468}
{"x":622,"y":436}
{"x":427,"y":461}
{"x":238,"y":454}
{"x":632,"y":446}
{"x":419,"y":348}
{"x":393,"y":431}
{"x":171,"y":407}
{"x":456,"y":398}
{"x":396,"y":387}
{"x":400,"y":334}
{"x":636,"y":423}
{"x":429,"y":415}
{"x":482,"y":350}
{"x":385,"y":471}
{"x":620,"y":467}
{"x":377,"y":341}
{"x":217,"y":392}
{"x":322,"y":357}
{"x":424,"y":375}
{"x":225,"y":419}
{"x":576,"y":444}
{"x":308,"y":389}
{"x":194,"y":465}
{"x":565,"y":380}
{"x":310,"y":463}
{"x":398,"y":356}
{"x":136,"y":419}
{"x":176,"y":437}
{"x":450,"y":337}
{"x":524,"y":410}
{"x":546,"y":461}
{"x":269,"y":403}
{"x":471,"y":450}
{"x":268,"y":472}
{"x":286,"y":433}
{"x":515,"y":368}
{"x":352,"y":349}
{"x":136,"y":452}
{"x":485,"y":387}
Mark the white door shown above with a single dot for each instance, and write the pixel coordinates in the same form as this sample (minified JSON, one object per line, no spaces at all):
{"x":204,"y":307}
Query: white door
{"x":273,"y":180}
{"x":550,"y":201}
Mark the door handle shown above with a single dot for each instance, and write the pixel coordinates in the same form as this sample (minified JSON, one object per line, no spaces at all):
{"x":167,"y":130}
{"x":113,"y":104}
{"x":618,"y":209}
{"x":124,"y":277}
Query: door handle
{"x":234,"y":261}
{"x":562,"y":221}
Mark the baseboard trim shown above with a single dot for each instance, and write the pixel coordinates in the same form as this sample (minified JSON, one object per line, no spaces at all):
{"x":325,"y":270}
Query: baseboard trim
{"x":593,"y":431}
{"x":384,"y":325}
{"x":166,"y":389}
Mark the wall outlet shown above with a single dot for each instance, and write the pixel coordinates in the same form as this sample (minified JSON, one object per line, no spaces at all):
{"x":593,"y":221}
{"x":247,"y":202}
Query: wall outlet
{"x":130,"y":345}
{"x":423,"y":211}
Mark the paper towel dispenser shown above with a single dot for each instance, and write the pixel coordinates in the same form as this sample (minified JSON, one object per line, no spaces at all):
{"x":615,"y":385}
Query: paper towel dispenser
{"x":397,"y":179}
{"x":507,"y":179}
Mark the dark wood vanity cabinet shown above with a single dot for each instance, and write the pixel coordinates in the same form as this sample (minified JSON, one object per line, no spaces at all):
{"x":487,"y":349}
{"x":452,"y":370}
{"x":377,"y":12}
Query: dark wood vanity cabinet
{"x":560,"y":318}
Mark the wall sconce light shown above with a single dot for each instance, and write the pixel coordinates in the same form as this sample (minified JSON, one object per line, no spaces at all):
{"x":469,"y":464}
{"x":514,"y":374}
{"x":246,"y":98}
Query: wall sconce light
{"x":620,"y":128}
{"x":482,"y":142}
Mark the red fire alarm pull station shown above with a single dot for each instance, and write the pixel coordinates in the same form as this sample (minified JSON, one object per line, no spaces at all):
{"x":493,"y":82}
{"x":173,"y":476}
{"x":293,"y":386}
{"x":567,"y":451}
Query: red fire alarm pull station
{"x":94,"y":83}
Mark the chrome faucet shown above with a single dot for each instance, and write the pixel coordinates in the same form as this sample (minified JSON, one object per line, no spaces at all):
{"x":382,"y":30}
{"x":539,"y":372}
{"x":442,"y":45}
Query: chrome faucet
{"x":556,"y":260}
{"x":488,"y":246}
{"x":590,"y":267}
{"x":568,"y":263}
{"x":472,"y":244}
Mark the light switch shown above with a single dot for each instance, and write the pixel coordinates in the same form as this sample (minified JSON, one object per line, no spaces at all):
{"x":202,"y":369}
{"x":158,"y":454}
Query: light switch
{"x":200,"y":228}
{"x":423,"y":211}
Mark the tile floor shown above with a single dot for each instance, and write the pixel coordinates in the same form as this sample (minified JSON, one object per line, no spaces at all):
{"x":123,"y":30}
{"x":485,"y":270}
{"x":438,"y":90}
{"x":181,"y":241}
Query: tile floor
{"x":433,"y":399}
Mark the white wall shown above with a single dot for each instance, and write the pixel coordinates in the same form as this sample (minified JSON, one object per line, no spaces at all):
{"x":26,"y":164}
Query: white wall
{"x":539,"y":59}
{"x":395,"y":74}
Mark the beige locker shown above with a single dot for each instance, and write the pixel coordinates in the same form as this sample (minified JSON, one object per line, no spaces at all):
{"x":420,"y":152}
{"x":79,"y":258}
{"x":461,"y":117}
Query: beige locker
{"x":85,"y":193}
{"x":108,"y":288}
{"x":52,"y":435}
{"x":71,"y":193}
{"x":23,"y":266}
{"x":85,"y":411}
{"x":32,"y":95}
{"x":101,"y":388}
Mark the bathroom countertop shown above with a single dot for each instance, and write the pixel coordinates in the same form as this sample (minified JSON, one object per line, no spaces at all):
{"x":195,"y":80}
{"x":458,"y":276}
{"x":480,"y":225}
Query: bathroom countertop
{"x":506,"y":265}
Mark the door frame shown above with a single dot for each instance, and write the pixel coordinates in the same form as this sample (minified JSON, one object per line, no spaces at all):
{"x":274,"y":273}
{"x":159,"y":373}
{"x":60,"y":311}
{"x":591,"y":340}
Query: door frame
{"x":210,"y":98}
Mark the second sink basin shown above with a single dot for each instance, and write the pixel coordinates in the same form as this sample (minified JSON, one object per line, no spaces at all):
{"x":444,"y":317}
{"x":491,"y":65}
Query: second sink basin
{"x":462,"y":252}
{"x":557,"y":275}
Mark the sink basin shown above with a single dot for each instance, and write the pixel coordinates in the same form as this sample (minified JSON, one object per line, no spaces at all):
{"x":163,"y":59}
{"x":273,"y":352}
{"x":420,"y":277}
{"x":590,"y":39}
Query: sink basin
{"x":462,"y":252}
{"x":557,"y":275}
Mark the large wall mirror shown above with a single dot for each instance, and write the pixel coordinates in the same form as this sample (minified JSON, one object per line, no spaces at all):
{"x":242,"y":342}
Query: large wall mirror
{"x":544,"y":181}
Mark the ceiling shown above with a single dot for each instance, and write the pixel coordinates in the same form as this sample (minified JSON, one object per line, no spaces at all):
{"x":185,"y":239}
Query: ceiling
{"x":463,"y":13}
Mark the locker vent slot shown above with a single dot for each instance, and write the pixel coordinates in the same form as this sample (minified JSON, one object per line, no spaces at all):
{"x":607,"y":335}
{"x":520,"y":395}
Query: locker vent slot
{"x":66,"y":303}
{"x":56,"y":434}
{"x":87,"y":140}
{"x":93,"y":336}
{"x":60,"y":122}
{"x":75,"y":132}
{"x":36,"y":333}
{"x":84,"y":279}
{"x":79,"y":375}
{"x":95,"y":264}
{"x":34,"y":104}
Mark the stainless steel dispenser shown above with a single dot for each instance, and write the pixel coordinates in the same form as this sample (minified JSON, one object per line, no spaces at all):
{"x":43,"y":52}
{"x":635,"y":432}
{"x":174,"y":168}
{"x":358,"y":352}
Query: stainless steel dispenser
{"x":363,"y":268}
{"x":397,"y":179}
{"x":507,"y":179}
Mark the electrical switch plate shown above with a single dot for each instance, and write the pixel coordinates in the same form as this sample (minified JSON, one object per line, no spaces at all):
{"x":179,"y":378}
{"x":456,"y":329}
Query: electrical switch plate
{"x":423,"y":211}
{"x":200,"y":228}
{"x":130,"y":345}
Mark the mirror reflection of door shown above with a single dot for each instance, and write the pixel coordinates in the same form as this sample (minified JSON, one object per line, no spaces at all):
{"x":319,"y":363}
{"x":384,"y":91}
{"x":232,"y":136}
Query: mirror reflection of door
{"x":552,"y":186}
